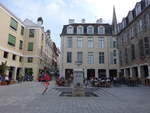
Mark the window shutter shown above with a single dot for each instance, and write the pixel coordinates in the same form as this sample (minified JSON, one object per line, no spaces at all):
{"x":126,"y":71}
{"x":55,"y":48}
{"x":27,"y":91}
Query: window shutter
{"x":13,"y":24}
{"x":11,"y":40}
{"x":30,"y":46}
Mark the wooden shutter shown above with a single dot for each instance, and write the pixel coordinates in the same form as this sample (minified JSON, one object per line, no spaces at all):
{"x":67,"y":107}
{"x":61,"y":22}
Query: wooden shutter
{"x":30,"y":46}
{"x":13,"y":24}
{"x":11,"y":40}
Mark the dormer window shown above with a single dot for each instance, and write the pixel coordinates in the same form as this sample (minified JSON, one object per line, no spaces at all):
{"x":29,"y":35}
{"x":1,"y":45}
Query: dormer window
{"x":101,"y":30}
{"x":90,"y":30}
{"x":138,"y":9}
{"x":124,"y":23}
{"x":70,"y":30}
{"x":130,"y":17}
{"x":80,"y":30}
{"x":147,"y":2}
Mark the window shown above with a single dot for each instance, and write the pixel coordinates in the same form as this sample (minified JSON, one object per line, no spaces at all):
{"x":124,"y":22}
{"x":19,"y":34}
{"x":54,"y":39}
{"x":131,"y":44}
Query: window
{"x":31,"y":32}
{"x":13,"y":24}
{"x":11,"y":40}
{"x":30,"y":59}
{"x":69,"y":57}
{"x":22,"y":30}
{"x":14,"y":57}
{"x":70,"y":30}
{"x":133,"y":51}
{"x":20,"y":59}
{"x":69,"y":42}
{"x":114,"y":44}
{"x":21,"y":44}
{"x":147,"y":2}
{"x":101,"y":58}
{"x":114,"y":53}
{"x":138,"y":8}
{"x":5,"y":54}
{"x":126,"y":55}
{"x":79,"y":42}
{"x":148,"y":19}
{"x":120,"y":57}
{"x":101,"y":42}
{"x":30,"y":46}
{"x":90,"y":58}
{"x":90,"y":30}
{"x":111,"y":42}
{"x":101,"y":30}
{"x":115,"y":61}
{"x":90,"y":42}
{"x":146,"y":46}
{"x":140,"y":25}
{"x":79,"y":30}
{"x":132,"y":32}
{"x":141,"y":48}
{"x":80,"y":57}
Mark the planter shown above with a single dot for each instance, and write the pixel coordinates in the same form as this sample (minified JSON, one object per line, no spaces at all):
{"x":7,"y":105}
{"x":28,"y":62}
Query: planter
{"x":13,"y":82}
{"x":3,"y":83}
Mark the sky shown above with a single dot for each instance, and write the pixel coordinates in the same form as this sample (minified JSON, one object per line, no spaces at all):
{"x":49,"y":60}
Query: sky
{"x":56,"y":13}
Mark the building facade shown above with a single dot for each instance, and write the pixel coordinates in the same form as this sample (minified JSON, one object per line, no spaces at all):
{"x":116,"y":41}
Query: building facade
{"x":24,"y":45}
{"x":133,"y":37}
{"x":88,"y":46}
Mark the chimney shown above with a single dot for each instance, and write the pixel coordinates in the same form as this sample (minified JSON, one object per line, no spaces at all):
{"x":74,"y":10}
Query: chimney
{"x":83,"y":21}
{"x":71,"y":21}
{"x":39,"y":21}
{"x":48,"y":32}
{"x":99,"y":21}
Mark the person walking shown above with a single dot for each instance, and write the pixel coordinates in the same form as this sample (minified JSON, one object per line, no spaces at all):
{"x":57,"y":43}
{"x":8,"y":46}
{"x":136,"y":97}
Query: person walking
{"x":47,"y":78}
{"x":46,"y":84}
{"x":7,"y":79}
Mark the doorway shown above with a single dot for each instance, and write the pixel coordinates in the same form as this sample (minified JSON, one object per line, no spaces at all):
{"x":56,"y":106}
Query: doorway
{"x":90,"y":73}
{"x":68,"y":73}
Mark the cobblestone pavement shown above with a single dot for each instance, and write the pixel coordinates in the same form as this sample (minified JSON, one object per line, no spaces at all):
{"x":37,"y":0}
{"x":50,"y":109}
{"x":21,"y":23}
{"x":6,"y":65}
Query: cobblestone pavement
{"x":27,"y":98}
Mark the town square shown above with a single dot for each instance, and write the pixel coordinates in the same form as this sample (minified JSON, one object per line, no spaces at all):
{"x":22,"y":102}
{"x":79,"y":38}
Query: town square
{"x":79,"y":56}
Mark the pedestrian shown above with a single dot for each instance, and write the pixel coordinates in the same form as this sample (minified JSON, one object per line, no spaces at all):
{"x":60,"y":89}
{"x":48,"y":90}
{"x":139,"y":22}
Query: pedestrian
{"x":7,"y":79}
{"x":46,"y":84}
{"x":1,"y":78}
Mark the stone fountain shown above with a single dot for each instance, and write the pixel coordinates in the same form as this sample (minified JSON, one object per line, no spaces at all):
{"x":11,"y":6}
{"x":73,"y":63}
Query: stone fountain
{"x":78,"y":86}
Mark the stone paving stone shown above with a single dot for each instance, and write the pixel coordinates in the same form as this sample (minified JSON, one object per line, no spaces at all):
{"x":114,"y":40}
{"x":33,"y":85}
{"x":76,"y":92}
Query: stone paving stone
{"x":27,"y":98}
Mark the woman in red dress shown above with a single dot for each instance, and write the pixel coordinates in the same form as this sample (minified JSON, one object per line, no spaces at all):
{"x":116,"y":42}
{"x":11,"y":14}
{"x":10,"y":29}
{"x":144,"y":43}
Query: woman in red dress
{"x":46,"y":84}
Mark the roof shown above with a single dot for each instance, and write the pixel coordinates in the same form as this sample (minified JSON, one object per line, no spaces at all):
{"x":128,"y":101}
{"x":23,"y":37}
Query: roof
{"x":29,"y":23}
{"x":1,"y":5}
{"x":26,"y":22}
{"x":135,"y":17}
{"x":108,"y":28}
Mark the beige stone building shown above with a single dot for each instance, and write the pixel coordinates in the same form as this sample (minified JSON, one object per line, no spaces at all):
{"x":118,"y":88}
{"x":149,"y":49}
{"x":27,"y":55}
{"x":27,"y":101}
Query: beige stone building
{"x":24,"y":45}
{"x":88,"y":46}
{"x":134,"y":41}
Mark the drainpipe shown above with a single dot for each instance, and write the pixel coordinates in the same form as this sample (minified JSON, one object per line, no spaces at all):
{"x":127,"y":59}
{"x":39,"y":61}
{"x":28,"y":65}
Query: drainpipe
{"x":108,"y":52}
